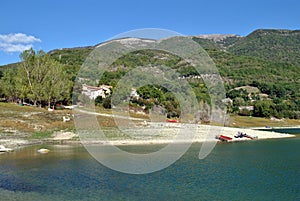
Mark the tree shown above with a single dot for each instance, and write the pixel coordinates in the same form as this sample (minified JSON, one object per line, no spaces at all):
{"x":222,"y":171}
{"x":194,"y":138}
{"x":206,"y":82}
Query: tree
{"x":107,"y":102}
{"x":41,"y":78}
{"x":34,"y":69}
{"x":38,"y":78}
{"x":8,"y":84}
{"x":98,"y":100}
{"x":263,"y":108}
{"x":57,"y":83}
{"x":239,"y":102}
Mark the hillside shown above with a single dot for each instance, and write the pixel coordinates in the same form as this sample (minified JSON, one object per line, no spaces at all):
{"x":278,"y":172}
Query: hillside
{"x":222,"y":40}
{"x":266,"y":59}
{"x":268,"y":44}
{"x":275,"y":45}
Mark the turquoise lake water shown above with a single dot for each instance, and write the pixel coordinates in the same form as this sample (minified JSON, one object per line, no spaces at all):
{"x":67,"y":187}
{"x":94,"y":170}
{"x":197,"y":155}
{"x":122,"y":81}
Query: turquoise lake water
{"x":254,"y":170}
{"x":283,"y":130}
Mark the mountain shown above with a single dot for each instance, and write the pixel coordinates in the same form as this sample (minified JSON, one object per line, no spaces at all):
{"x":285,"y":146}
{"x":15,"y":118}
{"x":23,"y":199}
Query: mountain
{"x":261,"y":56}
{"x":218,"y":37}
{"x":267,"y":59}
{"x":274,"y":45}
{"x":268,"y":44}
{"x":223,"y":40}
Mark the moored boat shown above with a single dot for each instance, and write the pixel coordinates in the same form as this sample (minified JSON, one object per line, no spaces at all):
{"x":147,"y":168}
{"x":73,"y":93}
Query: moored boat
{"x":223,"y":138}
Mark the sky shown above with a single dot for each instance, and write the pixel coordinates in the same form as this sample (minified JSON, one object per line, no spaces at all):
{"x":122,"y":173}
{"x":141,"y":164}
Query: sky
{"x":54,"y":24}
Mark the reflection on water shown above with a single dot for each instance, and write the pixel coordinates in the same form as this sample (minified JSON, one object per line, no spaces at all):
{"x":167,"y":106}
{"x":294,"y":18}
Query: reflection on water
{"x":256,"y":170}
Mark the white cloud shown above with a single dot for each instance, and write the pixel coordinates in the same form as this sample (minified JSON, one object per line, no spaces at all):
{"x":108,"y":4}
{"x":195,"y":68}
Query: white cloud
{"x":14,"y":47}
{"x":17,"y":42}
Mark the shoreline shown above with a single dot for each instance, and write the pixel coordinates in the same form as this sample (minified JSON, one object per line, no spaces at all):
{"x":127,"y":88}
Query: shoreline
{"x":192,"y":134}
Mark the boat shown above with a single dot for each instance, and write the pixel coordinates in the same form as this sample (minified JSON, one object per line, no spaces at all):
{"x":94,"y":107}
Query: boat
{"x":172,"y":121}
{"x":241,"y":135}
{"x":223,"y":138}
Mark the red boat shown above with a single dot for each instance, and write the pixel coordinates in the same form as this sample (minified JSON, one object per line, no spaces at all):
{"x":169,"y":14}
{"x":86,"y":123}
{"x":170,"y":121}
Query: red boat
{"x":223,"y":138}
{"x":172,"y":121}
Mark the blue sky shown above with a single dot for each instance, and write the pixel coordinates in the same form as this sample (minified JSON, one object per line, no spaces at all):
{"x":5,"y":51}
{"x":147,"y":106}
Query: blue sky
{"x":56,"y":24}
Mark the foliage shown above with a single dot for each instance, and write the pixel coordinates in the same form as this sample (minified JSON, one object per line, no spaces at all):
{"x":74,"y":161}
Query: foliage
{"x":273,"y":45}
{"x":107,"y":102}
{"x":41,"y":134}
{"x":71,"y":56}
{"x":263,"y":109}
{"x":38,"y":78}
{"x":266,"y":59}
{"x":8,"y":84}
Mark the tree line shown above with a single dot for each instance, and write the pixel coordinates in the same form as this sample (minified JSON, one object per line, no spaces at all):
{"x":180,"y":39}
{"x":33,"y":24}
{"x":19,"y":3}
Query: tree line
{"x":47,"y":79}
{"x":38,"y":80}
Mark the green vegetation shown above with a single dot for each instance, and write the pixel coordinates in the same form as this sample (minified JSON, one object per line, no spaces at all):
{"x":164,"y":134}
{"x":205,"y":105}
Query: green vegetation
{"x":265,"y":60}
{"x":246,"y":121}
{"x":40,"y":135}
{"x":278,"y":81}
{"x":273,"y":45}
{"x":39,"y":80}
{"x":150,"y":95}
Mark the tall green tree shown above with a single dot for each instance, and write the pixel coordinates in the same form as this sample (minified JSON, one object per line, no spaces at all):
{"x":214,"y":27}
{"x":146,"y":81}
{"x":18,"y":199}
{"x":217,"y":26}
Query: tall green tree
{"x":8,"y":84}
{"x":39,"y":78}
{"x":33,"y":69}
{"x":263,"y":108}
{"x":57,"y":83}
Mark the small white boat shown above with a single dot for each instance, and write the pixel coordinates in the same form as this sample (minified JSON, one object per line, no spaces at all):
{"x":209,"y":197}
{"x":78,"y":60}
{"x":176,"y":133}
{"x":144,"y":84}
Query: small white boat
{"x":4,"y":149}
{"x":43,"y":151}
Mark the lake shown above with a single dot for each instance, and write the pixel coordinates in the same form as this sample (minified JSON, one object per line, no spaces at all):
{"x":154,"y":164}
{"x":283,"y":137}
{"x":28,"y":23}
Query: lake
{"x":253,"y":170}
{"x":283,"y":130}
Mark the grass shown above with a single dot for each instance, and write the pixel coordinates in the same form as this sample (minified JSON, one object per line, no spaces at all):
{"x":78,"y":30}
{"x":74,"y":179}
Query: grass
{"x":245,"y":121}
{"x":37,"y":123}
{"x":41,"y":135}
{"x":32,"y":122}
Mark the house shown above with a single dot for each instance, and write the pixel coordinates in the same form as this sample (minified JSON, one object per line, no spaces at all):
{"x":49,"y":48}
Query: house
{"x":134,"y":94}
{"x":249,"y":108}
{"x":227,"y":101}
{"x":93,"y":92}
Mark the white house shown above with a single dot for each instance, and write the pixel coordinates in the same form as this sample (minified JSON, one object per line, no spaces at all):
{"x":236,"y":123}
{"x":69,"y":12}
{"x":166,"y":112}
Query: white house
{"x":134,"y":94}
{"x":249,"y":108}
{"x":93,"y":92}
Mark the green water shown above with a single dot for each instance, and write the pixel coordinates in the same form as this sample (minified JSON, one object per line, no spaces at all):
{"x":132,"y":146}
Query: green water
{"x":283,"y":130}
{"x":256,"y":170}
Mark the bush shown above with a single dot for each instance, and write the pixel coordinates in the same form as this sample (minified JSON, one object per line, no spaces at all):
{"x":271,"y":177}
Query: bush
{"x":107,"y":103}
{"x":98,"y":100}
{"x":245,"y":112}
